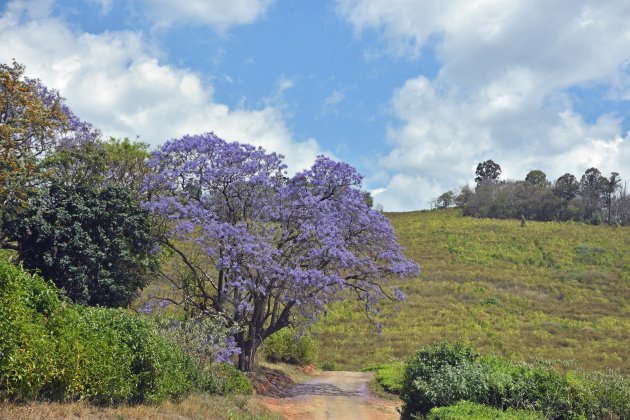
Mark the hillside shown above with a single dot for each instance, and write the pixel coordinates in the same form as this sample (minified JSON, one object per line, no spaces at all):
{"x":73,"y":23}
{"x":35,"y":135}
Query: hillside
{"x":553,"y":291}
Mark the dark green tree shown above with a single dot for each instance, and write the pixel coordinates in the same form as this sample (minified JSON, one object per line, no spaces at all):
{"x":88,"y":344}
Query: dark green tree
{"x":487,"y":171}
{"x":538,"y":178}
{"x":93,"y":243}
{"x":566,"y":187}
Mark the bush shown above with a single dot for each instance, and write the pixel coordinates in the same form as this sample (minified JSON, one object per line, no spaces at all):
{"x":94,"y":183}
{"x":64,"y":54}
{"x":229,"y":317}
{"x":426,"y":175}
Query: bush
{"x":289,"y":347}
{"x":59,"y":351}
{"x":418,"y":389}
{"x":467,"y":410}
{"x":26,"y":359}
{"x":223,"y":378}
{"x":442,"y":375}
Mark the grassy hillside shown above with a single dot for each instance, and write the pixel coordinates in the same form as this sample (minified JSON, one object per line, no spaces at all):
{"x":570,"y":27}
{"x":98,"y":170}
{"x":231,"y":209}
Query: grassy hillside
{"x":554,"y":291}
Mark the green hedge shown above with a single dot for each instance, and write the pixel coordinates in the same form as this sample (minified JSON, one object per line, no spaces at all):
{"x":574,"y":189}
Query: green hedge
{"x":445,"y":374}
{"x":51,"y":349}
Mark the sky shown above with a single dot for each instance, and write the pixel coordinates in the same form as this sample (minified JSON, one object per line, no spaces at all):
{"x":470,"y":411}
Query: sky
{"x":413,"y":93}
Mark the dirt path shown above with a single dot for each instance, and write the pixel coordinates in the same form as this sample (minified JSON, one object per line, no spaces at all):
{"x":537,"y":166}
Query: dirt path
{"x":334,"y":395}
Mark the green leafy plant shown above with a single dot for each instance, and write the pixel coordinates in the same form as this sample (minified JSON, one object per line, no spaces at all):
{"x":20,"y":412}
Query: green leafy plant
{"x":289,"y":347}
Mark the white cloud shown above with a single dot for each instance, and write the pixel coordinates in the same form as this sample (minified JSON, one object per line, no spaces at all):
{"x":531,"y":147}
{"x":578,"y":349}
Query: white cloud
{"x":220,"y":14}
{"x":500,"y":90}
{"x":115,"y":81}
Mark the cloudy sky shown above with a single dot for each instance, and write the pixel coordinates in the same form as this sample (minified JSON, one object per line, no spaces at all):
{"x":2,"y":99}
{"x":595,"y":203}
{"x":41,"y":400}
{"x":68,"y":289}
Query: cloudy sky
{"x":414,"y":93}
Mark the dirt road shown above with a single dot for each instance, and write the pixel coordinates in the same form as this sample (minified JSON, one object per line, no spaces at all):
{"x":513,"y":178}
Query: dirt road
{"x":334,"y":395}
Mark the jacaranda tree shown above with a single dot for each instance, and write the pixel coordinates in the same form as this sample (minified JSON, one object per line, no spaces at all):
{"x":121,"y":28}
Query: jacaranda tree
{"x":262,"y":250}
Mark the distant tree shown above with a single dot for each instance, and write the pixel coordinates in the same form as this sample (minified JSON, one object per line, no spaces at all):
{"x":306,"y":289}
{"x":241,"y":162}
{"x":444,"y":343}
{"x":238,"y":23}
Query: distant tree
{"x":261,"y":248}
{"x":368,"y":199}
{"x":592,"y":192}
{"x":445,"y":200}
{"x":610,"y":187}
{"x":566,"y":187}
{"x":463,"y":196}
{"x":487,"y":171}
{"x":94,"y":244}
{"x":538,"y":178}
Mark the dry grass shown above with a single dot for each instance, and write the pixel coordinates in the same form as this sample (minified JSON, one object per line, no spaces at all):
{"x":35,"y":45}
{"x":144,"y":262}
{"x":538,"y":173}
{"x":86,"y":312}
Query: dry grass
{"x":554,"y":291}
{"x":200,"y":406}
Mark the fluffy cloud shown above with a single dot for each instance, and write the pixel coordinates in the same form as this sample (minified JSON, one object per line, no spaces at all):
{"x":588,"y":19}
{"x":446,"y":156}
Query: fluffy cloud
{"x":216,"y":13}
{"x":115,"y":81}
{"x":501,"y":91}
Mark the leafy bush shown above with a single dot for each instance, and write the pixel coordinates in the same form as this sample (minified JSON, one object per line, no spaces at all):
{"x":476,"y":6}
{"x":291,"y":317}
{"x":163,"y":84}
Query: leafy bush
{"x":55,"y":350}
{"x":328,"y":366}
{"x":26,"y":359}
{"x":289,"y":347}
{"x":224,"y":378}
{"x":442,"y":375}
{"x":467,"y":410}
{"x":417,"y":393}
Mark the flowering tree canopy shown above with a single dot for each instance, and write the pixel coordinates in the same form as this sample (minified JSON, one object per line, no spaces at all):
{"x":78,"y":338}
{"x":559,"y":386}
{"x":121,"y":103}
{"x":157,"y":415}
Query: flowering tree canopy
{"x":257,"y":247}
{"x":34,"y":121}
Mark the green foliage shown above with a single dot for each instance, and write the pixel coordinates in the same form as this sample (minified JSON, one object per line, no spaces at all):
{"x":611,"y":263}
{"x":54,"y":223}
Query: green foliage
{"x":464,"y":410}
{"x":289,"y":347}
{"x":432,"y":378}
{"x":55,"y":350}
{"x":442,"y":375}
{"x":390,"y":377}
{"x":94,"y":244}
{"x":328,"y":366}
{"x":223,"y":379}
{"x":98,"y":164}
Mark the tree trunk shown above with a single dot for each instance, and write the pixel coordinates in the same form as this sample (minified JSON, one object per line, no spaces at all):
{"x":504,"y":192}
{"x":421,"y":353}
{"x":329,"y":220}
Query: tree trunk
{"x":247,"y":357}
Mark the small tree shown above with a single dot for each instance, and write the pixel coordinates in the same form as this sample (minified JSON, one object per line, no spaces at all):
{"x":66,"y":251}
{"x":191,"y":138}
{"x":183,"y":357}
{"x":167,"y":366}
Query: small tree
{"x":487,"y":171}
{"x":445,"y":200}
{"x":257,"y":247}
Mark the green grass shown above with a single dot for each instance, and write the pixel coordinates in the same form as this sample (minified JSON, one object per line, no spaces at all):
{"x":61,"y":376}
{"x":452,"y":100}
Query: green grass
{"x":553,"y":291}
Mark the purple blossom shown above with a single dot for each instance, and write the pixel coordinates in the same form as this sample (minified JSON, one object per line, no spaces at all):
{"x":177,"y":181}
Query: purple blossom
{"x":271,"y":245}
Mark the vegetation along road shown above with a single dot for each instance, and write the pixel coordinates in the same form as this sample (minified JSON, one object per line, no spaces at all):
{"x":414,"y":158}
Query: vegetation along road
{"x":334,"y":395}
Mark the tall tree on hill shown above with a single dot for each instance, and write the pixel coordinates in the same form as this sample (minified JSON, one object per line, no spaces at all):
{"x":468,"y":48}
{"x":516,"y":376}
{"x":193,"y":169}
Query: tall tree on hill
{"x":592,"y":191}
{"x":487,"y":171}
{"x":611,"y":186}
{"x":538,"y":178}
{"x":258,"y":248}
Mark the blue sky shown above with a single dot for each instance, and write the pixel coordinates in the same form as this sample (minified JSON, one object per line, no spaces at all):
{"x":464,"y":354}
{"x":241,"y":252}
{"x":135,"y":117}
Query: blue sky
{"x":412,"y":92}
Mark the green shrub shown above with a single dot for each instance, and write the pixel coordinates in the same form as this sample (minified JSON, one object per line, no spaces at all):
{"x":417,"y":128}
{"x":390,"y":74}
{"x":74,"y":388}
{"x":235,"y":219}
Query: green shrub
{"x":417,"y":393}
{"x":390,"y":377}
{"x":59,"y":351}
{"x":26,"y":359}
{"x":466,"y":410}
{"x":289,"y":347}
{"x":224,"y":378}
{"x":328,"y":366}
{"x":442,"y":375}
